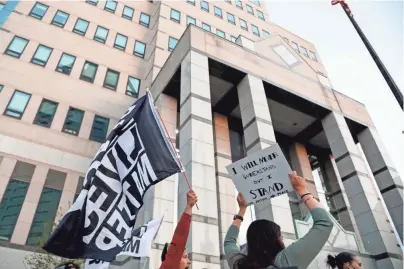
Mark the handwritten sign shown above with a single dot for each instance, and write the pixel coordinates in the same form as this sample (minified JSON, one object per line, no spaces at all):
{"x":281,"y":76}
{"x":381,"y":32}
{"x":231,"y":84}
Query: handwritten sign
{"x":262,"y":175}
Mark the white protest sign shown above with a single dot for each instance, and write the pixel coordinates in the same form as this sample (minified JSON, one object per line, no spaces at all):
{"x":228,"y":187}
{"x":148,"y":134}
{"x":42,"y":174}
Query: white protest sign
{"x":262,"y":175}
{"x":96,"y":264}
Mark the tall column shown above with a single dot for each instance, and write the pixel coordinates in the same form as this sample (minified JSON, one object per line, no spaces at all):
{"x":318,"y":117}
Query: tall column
{"x":259,"y":134}
{"x":378,"y":239}
{"x":387,"y":178}
{"x":224,"y":184}
{"x":197,"y":155}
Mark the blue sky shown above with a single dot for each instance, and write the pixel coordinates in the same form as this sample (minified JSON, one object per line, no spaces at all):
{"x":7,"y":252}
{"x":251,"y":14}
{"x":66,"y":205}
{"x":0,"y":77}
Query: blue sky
{"x":349,"y":65}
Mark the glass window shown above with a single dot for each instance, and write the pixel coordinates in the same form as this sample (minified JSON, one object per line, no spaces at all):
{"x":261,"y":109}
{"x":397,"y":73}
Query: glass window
{"x":220,"y":33}
{"x":192,"y":2}
{"x":172,"y":42}
{"x":101,"y":34}
{"x":233,"y":39}
{"x":45,"y":113}
{"x":127,"y":12}
{"x":16,"y":47}
{"x":304,"y":51}
{"x":257,"y":2}
{"x":191,"y":20}
{"x":1,"y":87}
{"x":89,"y":71}
{"x":218,"y":12}
{"x":99,"y":129}
{"x":260,"y":15}
{"x":38,"y":11}
{"x":132,"y":88}
{"x":250,"y":9}
{"x":1,"y":7}
{"x":206,"y":27}
{"x":60,"y":18}
{"x":92,"y":2}
{"x":17,"y":104}
{"x":175,"y":15}
{"x":41,"y":55}
{"x":265,"y":33}
{"x":144,"y":19}
{"x":111,"y":79}
{"x":313,"y":56}
{"x":230,"y":18}
{"x":66,"y":63}
{"x":243,"y":24}
{"x":295,"y":46}
{"x":228,"y":1}
{"x":287,"y":40}
{"x":120,"y":42}
{"x":205,"y":5}
{"x":239,"y":4}
{"x":80,"y":27}
{"x":111,"y":6}
{"x":73,"y":121}
{"x":255,"y":30}
{"x":140,"y":49}
{"x":79,"y":187}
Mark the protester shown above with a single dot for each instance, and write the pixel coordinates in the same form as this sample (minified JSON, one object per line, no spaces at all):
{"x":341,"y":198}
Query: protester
{"x":68,"y":265}
{"x":344,"y":260}
{"x":175,"y":257}
{"x":265,"y":247}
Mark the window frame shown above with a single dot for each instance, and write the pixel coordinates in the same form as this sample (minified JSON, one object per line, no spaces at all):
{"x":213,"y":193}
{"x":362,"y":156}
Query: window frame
{"x":58,"y":25}
{"x":32,"y":9}
{"x":40,"y":61}
{"x":249,"y":11}
{"x":229,"y":21}
{"x":81,"y":122}
{"x":14,"y":111}
{"x":259,"y":12}
{"x":118,"y":46}
{"x":97,"y":38}
{"x":77,"y":31}
{"x":127,"y":84}
{"x":304,"y":51}
{"x":136,"y":53}
{"x":189,"y":17}
{"x":239,"y":4}
{"x":313,"y":56}
{"x":192,"y":2}
{"x":217,"y":33}
{"x":233,"y":37}
{"x":142,"y":23}
{"x":109,"y":9}
{"x":205,"y":24}
{"x":92,"y":2}
{"x":228,"y":1}
{"x":221,"y":12}
{"x":203,"y":8}
{"x":39,"y":108}
{"x":174,"y":19}
{"x":265,"y":34}
{"x":60,"y":59}
{"x":92,"y":128}
{"x":20,"y":53}
{"x":172,"y":38}
{"x":127,"y":16}
{"x":84,"y":78}
{"x":297,"y":47}
{"x":107,"y":86}
{"x":258,"y":30}
{"x":241,"y":25}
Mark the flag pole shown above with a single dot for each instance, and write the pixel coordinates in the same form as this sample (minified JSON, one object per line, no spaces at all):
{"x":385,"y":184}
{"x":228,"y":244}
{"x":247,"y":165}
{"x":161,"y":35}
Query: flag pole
{"x":393,"y":86}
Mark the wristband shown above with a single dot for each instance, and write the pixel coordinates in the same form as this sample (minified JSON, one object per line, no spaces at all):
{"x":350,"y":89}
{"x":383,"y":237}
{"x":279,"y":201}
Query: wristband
{"x":238,"y":217}
{"x":307,"y":200}
{"x":308,"y":193}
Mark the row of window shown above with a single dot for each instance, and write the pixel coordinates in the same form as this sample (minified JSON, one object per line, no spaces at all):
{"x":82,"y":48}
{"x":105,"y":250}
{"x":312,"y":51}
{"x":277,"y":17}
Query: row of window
{"x":66,"y":62}
{"x":302,"y":50}
{"x":46,"y":112}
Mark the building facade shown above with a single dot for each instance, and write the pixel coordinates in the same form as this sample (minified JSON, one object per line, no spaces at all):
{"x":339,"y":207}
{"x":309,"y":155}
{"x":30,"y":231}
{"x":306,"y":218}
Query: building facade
{"x":227,"y":82}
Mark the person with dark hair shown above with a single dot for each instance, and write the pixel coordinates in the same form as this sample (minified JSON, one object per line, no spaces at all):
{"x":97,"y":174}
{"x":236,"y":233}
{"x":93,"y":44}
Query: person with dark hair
{"x":265,"y":247}
{"x":68,"y":265}
{"x":174,"y":255}
{"x":344,"y":260}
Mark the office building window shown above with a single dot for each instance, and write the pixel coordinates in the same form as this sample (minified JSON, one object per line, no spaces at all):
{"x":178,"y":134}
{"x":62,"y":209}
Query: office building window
{"x":230,"y":18}
{"x":132,"y":88}
{"x":250,"y":9}
{"x":1,"y":7}
{"x":175,"y":15}
{"x":172,"y":42}
{"x":92,"y":2}
{"x":144,"y":19}
{"x":17,"y":104}
{"x":111,"y":79}
{"x":79,"y":187}
{"x":73,"y":121}
{"x":46,"y":210}
{"x":228,"y":1}
{"x":140,"y":49}
{"x":218,"y":12}
{"x":260,"y":15}
{"x":191,"y":20}
{"x":101,"y":34}
{"x":127,"y":12}
{"x":313,"y":56}
{"x":243,"y":24}
{"x":66,"y":63}
{"x":220,"y":33}
{"x":16,"y":47}
{"x":120,"y":42}
{"x":257,"y":2}
{"x":295,"y":46}
{"x":304,"y":51}
{"x":60,"y":18}
{"x":192,"y":2}
{"x":111,"y":6}
{"x":13,"y":198}
{"x":206,"y":27}
{"x":81,"y":27}
{"x":239,"y":4}
{"x":99,"y":129}
{"x":38,"y":11}
{"x":255,"y":30}
{"x":45,"y":114}
{"x":287,"y":40}
{"x":1,"y":87}
{"x":205,"y":5}
{"x":89,"y":71}
{"x":41,"y":55}
{"x":265,"y":33}
{"x":233,"y":39}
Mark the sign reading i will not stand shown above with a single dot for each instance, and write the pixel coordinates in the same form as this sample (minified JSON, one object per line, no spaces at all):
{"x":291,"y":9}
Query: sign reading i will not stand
{"x":262,"y":175}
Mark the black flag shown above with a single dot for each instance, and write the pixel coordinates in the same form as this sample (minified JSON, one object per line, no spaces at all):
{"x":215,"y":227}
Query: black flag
{"x":136,"y":155}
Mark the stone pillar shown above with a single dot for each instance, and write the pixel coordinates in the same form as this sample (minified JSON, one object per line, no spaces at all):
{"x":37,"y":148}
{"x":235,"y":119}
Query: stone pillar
{"x":387,"y":178}
{"x":369,"y":214}
{"x":197,"y":156}
{"x":225,"y":187}
{"x":259,"y":134}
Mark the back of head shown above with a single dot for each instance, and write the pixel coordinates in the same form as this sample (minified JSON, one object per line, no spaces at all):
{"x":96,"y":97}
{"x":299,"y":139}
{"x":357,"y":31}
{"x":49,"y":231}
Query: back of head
{"x":339,"y":260}
{"x":264,"y":243}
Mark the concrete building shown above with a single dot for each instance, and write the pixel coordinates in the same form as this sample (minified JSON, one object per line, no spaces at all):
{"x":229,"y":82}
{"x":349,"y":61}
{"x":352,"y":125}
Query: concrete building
{"x":227,"y":81}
